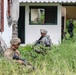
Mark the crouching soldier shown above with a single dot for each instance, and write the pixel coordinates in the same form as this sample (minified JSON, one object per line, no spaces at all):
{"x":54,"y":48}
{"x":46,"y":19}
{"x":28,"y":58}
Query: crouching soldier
{"x":12,"y":53}
{"x":43,"y":40}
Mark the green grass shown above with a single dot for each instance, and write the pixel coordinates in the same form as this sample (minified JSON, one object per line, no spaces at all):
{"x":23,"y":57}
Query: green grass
{"x":59,"y":60}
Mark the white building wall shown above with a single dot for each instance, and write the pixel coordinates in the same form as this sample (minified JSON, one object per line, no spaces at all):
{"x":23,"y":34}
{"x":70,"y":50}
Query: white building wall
{"x":7,"y":34}
{"x":34,"y":13}
{"x":32,"y":32}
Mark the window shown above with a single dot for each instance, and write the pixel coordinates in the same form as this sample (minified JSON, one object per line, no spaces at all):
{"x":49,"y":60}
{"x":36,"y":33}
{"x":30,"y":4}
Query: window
{"x":1,"y":15}
{"x":43,"y":15}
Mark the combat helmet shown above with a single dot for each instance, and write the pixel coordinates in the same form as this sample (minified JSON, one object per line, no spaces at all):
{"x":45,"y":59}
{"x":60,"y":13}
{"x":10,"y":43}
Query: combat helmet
{"x":15,"y":41}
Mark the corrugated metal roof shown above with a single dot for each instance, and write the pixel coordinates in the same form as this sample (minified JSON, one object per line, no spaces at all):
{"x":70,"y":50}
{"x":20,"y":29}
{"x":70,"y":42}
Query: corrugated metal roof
{"x":48,"y":1}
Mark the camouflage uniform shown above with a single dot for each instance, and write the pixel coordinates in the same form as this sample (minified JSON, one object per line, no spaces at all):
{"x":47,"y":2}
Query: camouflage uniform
{"x":70,"y":28}
{"x":9,"y":53}
{"x":43,"y":42}
{"x":14,"y":54}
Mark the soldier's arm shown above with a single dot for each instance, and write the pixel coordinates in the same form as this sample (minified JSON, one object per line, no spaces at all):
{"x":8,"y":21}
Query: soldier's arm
{"x":8,"y":54}
{"x":17,"y":53}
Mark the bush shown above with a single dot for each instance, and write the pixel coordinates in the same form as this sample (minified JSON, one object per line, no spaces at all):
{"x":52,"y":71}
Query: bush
{"x":59,"y":60}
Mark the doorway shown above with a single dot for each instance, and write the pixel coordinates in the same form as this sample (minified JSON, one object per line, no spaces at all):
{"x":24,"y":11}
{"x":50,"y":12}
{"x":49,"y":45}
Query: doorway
{"x":21,"y":24}
{"x":62,"y":27}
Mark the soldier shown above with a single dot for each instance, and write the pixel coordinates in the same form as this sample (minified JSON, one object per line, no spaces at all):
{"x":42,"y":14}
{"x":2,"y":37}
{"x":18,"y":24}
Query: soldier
{"x":44,"y":40}
{"x":70,"y":28}
{"x":13,"y":54}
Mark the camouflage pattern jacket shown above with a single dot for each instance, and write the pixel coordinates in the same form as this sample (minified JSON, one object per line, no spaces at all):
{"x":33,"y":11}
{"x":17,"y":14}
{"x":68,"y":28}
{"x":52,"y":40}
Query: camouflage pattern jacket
{"x":46,"y":41}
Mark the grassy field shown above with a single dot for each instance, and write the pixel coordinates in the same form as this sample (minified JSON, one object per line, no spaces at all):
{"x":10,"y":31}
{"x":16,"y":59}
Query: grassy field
{"x":59,"y":60}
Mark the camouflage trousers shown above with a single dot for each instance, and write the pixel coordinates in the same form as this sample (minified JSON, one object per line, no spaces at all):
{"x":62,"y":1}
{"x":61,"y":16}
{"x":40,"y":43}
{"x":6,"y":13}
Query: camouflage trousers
{"x":40,"y":49}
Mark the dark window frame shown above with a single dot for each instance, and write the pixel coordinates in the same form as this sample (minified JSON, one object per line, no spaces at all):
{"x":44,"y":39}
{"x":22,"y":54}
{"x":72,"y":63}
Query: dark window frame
{"x":43,"y":7}
{"x":2,"y":16}
{"x":8,"y":7}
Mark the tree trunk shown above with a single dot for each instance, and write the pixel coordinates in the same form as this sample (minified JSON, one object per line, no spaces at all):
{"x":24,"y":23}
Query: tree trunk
{"x":15,"y":30}
{"x":1,"y":50}
{"x":3,"y":46}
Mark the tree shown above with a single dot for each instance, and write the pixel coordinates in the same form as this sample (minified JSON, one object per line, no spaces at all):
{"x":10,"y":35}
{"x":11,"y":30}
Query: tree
{"x":13,"y":15}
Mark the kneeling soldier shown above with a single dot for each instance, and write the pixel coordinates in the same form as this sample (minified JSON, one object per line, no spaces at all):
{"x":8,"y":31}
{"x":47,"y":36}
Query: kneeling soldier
{"x":44,"y":40}
{"x":12,"y":53}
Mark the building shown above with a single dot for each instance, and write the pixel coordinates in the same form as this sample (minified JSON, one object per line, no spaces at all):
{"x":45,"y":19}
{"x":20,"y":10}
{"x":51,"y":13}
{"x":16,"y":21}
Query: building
{"x":5,"y":30}
{"x":40,"y":14}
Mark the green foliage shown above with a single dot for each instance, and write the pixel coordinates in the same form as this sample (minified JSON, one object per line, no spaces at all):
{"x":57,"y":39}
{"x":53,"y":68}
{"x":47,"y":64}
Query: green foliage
{"x":58,"y":60}
{"x":67,"y":21}
{"x":42,"y":18}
